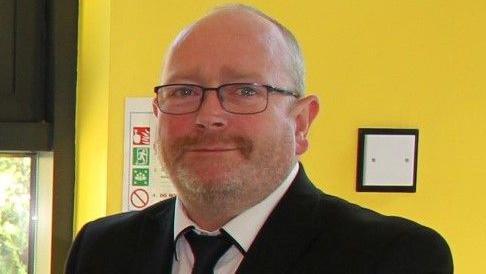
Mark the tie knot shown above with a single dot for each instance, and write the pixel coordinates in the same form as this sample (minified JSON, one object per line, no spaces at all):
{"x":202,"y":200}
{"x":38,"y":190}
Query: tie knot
{"x":206,"y":250}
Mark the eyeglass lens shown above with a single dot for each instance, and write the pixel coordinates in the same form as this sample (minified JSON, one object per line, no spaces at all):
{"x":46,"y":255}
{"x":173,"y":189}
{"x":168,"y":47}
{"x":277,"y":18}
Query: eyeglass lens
{"x":235,"y":98}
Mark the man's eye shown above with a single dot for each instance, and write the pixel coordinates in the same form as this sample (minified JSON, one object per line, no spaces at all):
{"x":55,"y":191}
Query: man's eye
{"x":246,"y":91}
{"x":182,"y":92}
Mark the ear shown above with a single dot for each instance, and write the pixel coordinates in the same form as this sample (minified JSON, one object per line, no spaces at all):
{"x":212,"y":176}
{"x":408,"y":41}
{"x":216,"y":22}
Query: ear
{"x":155,"y":108}
{"x":305,"y":111}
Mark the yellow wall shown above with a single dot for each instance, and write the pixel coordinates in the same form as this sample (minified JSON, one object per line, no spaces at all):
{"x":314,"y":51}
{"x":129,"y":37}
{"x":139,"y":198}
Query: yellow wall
{"x":92,"y":111}
{"x":373,"y":63}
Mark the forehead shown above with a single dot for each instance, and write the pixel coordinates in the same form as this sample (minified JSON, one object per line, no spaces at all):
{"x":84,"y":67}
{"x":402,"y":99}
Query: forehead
{"x":235,"y":44}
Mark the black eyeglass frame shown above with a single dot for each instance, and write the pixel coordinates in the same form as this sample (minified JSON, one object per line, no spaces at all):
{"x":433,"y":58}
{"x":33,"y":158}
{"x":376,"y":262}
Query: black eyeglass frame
{"x":218,"y":92}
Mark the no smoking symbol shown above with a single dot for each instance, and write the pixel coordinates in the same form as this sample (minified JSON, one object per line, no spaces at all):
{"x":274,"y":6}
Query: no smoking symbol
{"x":139,"y":198}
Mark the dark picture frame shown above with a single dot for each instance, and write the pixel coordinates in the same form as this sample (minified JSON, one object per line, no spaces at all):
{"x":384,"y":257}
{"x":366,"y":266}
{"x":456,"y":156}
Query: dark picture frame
{"x":387,"y":153}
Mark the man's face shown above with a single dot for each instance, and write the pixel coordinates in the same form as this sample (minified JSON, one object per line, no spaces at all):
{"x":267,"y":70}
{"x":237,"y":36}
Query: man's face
{"x":213,"y":155}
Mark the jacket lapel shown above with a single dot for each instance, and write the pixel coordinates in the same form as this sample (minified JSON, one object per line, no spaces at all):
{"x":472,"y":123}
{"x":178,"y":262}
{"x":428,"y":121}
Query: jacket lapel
{"x":155,"y":247}
{"x":288,"y":231}
{"x":286,"y":234}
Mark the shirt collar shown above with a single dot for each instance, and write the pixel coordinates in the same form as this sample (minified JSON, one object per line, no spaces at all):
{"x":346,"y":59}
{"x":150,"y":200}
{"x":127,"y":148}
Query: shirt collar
{"x":253,"y":218}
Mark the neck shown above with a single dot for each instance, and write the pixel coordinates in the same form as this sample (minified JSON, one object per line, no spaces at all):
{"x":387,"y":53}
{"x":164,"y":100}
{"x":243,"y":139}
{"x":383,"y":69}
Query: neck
{"x":209,"y":216}
{"x":213,"y":207}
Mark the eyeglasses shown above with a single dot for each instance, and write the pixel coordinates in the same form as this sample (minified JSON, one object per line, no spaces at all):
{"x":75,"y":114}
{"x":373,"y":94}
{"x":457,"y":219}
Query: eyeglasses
{"x":239,"y":98}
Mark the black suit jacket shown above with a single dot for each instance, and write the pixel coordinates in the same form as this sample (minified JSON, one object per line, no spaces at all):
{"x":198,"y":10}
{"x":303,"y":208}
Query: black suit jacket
{"x":307,"y":232}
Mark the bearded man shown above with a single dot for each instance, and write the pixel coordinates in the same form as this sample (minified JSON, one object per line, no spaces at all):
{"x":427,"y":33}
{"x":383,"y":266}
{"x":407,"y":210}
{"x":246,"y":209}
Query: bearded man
{"x":232,"y":123}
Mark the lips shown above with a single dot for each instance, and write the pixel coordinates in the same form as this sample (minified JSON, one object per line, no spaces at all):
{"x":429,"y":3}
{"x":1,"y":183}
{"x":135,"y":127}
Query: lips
{"x":212,"y":149}
{"x":212,"y":144}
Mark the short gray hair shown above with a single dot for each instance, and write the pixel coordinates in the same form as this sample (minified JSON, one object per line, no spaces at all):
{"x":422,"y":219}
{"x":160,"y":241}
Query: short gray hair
{"x":296,"y":66}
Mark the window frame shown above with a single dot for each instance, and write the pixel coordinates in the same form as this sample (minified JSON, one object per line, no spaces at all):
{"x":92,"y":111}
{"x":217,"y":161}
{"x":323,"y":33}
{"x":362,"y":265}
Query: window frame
{"x":57,"y":131}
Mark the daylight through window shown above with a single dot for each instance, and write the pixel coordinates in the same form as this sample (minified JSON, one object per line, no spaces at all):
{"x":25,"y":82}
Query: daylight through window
{"x":17,"y":212}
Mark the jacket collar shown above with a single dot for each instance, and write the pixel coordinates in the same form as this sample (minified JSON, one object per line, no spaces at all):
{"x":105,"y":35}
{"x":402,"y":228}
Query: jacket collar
{"x":288,"y":231}
{"x":154,"y":250}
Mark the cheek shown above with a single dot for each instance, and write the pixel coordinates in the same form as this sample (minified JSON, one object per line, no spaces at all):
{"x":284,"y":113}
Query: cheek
{"x":254,"y":127}
{"x":282,"y":129}
{"x":174,"y":127}
{"x":268,"y":128}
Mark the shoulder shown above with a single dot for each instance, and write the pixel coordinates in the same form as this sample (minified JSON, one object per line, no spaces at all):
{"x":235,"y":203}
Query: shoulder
{"x":118,"y":235}
{"x":376,"y":242}
{"x":124,"y":222}
{"x":363,"y":222}
{"x":340,"y":217}
{"x":386,"y":244}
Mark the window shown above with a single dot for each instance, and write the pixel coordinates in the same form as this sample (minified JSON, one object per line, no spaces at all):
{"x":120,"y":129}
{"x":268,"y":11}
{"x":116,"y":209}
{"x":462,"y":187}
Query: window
{"x":17,"y":212}
{"x":33,"y":35}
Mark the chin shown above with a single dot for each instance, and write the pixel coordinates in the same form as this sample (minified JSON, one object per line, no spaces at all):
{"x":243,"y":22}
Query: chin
{"x":210,"y":176}
{"x":213,"y":166}
{"x":205,"y":185}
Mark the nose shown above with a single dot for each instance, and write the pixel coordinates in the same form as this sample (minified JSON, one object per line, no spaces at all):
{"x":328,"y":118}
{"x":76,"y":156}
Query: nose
{"x":211,"y":115}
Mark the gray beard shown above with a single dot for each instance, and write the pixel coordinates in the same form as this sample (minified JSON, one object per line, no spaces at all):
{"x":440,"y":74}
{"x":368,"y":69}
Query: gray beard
{"x":215,"y":196}
{"x":234,"y":192}
{"x":242,"y":187}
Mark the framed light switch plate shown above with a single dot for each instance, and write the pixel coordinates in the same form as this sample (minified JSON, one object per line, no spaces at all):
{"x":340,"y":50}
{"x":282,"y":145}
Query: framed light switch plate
{"x":387,"y":160}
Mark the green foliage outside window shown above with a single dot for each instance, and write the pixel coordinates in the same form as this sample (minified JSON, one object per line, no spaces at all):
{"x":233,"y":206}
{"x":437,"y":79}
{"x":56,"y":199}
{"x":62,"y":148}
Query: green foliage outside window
{"x":14,"y":214}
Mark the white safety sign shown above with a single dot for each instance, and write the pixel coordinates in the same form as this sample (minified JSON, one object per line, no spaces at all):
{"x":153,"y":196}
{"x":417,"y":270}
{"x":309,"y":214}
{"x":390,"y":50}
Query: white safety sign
{"x":144,"y":181}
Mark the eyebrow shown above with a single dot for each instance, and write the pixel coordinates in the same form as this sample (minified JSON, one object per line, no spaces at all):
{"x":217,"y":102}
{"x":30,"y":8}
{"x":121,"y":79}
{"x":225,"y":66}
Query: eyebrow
{"x":187,"y":76}
{"x":195,"y":76}
{"x":231,"y":73}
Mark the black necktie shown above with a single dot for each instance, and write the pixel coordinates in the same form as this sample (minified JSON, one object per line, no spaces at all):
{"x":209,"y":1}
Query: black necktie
{"x":206,"y":250}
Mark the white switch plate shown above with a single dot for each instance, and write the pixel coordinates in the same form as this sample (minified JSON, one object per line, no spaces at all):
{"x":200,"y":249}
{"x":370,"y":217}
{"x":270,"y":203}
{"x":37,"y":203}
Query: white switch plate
{"x":387,"y":160}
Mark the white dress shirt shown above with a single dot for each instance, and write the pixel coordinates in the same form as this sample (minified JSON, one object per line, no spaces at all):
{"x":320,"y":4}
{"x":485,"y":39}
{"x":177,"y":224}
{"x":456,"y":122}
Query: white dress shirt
{"x":243,"y":228}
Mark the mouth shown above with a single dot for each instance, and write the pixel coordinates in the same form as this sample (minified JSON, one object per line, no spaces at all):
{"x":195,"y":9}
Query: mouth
{"x":213,"y":145}
{"x":212,"y":149}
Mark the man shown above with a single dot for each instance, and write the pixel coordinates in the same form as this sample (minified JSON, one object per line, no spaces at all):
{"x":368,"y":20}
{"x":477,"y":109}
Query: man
{"x":233,"y":122}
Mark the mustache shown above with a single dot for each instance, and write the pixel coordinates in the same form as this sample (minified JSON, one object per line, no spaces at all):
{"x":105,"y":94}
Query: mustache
{"x":244,"y":144}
